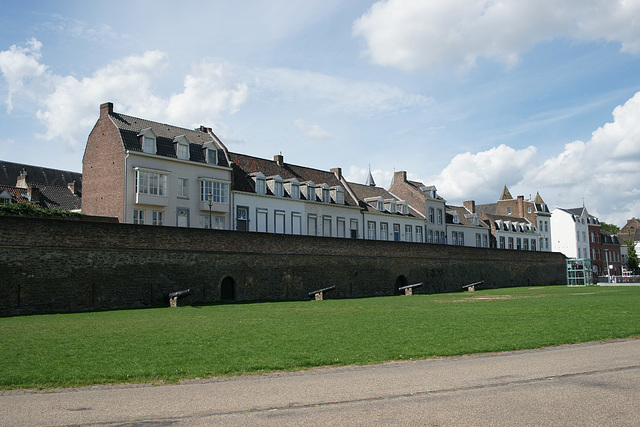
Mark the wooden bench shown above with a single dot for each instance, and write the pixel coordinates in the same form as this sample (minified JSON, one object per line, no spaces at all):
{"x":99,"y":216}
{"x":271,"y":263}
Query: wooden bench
{"x":472,"y":286}
{"x":408,"y":289}
{"x":319,"y":294}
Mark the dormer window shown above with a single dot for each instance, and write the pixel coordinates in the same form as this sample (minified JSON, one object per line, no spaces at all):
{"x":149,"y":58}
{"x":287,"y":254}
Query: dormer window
{"x":338,"y":195}
{"x":210,"y":153}
{"x":148,"y":141}
{"x":293,"y":187}
{"x":390,"y":205}
{"x":182,"y":147}
{"x":456,"y":218}
{"x":276,"y":185}
{"x":324,"y":193}
{"x":404,"y":207}
{"x":260,"y":183}
{"x":310,"y":191}
{"x":380,"y":205}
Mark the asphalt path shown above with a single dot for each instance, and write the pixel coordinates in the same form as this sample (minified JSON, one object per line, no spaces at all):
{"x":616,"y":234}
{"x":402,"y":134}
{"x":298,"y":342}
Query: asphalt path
{"x":591,"y":384}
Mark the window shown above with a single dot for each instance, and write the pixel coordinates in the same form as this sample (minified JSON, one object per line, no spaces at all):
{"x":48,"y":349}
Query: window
{"x":218,"y":222}
{"x":518,"y":243}
{"x":312,"y":225}
{"x":380,"y":205}
{"x":508,"y":211}
{"x":149,"y":144}
{"x":353,"y":228}
{"x":261,"y":220}
{"x":278,"y":189}
{"x":151,"y":183}
{"x":212,"y":156}
{"x":528,"y":209}
{"x":510,"y":242}
{"x":242,"y":219}
{"x":437,"y":237}
{"x":485,"y":241}
{"x":478,"y":240}
{"x":156,"y":217}
{"x":261,"y":185}
{"x":310,"y":191}
{"x":533,"y":244}
{"x":218,"y":192}
{"x":338,"y":195}
{"x":408,"y":235}
{"x":454,"y":238}
{"x":419,"y":238}
{"x":439,"y":216}
{"x":502,"y":246}
{"x":138,"y":216}
{"x":396,"y":232}
{"x":546,"y":242}
{"x":326,"y":226}
{"x":296,"y":223}
{"x":341,"y":227}
{"x":295,"y":190}
{"x":183,"y":188}
{"x":279,"y":218}
{"x":430,"y":236}
{"x":461,"y":238}
{"x":205,"y":221}
{"x":525,"y":244}
{"x":384,"y":231}
{"x":431,"y":215}
{"x":546,"y":226}
{"x":371,"y":230}
{"x":183,"y":151}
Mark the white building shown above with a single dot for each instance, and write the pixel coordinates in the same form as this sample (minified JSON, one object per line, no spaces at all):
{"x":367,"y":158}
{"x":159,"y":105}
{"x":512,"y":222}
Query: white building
{"x":570,"y":230}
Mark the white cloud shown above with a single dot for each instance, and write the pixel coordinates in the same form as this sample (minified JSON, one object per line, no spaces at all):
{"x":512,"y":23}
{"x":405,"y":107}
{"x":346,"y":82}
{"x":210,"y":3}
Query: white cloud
{"x":315,"y":132}
{"x":337,"y":94}
{"x":418,"y":34}
{"x":19,"y":66}
{"x":482,"y":175}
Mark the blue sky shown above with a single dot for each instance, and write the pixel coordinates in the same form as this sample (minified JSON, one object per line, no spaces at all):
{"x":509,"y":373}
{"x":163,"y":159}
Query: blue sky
{"x":469,"y":95}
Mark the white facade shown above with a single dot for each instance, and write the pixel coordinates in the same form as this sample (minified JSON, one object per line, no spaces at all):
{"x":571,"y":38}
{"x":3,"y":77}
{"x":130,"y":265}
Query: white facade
{"x":544,"y":230}
{"x":467,"y":231}
{"x":168,"y":191}
{"x":516,"y":235}
{"x":435,"y":215}
{"x":571,"y":232}
{"x":394,"y":227}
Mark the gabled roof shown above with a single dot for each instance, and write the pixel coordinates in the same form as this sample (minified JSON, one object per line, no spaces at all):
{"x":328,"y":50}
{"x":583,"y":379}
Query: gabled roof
{"x":464,"y":216}
{"x":363,"y":192}
{"x":244,"y":166}
{"x":505,"y":194}
{"x":9,"y":173}
{"x":50,"y":197}
{"x":131,"y":127}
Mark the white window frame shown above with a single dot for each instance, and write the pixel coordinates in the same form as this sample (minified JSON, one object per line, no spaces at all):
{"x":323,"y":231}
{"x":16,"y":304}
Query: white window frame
{"x":218,"y":190}
{"x":183,"y":188}
{"x":371,"y":230}
{"x":150,"y":182}
{"x":157,"y":217}
{"x":138,"y":216}
{"x":408,"y":233}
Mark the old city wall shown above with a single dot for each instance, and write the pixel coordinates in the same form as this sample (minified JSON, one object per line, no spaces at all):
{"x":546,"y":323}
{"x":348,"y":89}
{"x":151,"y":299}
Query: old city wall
{"x":59,"y":265}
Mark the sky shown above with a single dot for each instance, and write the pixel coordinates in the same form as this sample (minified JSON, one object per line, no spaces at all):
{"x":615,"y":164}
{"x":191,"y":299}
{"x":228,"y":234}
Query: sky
{"x":467,"y":95}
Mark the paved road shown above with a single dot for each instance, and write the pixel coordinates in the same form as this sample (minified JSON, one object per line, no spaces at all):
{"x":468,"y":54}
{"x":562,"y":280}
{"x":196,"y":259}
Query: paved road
{"x":585,"y":384}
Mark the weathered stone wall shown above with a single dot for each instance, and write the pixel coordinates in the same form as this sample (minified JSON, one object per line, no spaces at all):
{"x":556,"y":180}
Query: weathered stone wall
{"x":57,"y":265}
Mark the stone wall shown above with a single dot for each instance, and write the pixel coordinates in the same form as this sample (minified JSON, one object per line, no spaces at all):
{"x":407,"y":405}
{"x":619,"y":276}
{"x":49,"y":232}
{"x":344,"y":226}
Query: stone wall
{"x":59,"y":265}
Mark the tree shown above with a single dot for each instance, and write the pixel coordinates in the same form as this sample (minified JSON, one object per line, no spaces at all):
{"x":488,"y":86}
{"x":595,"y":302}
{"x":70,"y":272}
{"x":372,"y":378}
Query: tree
{"x":632,"y":256}
{"x":609,"y":228}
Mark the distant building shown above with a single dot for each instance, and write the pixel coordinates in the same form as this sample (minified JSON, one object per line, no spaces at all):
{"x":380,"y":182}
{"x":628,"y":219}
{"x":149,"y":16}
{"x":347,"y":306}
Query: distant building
{"x":570,"y":228}
{"x":46,"y":187}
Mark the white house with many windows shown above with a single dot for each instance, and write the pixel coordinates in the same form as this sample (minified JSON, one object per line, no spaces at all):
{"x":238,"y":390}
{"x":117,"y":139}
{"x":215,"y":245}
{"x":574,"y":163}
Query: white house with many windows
{"x":464,"y":228}
{"x":570,"y":230}
{"x":145,"y":172}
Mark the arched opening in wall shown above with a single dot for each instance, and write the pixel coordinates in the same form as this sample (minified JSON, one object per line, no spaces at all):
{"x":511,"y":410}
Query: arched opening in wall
{"x":228,"y":289}
{"x":400,"y":282}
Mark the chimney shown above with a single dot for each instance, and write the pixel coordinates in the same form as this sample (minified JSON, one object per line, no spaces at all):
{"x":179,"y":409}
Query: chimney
{"x":470,"y":205}
{"x":400,"y":175}
{"x":23,"y":180}
{"x":279,"y":159}
{"x":204,"y":129}
{"x":34,"y":194}
{"x":337,"y":172}
{"x":521,"y":206}
{"x":106,"y":109}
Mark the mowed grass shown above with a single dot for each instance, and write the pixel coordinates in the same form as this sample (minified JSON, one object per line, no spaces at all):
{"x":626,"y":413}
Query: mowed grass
{"x":169,"y":344}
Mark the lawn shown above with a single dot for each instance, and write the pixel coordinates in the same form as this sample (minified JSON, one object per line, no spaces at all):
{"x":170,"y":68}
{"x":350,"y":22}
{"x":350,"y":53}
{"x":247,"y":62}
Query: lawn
{"x":168,"y":344}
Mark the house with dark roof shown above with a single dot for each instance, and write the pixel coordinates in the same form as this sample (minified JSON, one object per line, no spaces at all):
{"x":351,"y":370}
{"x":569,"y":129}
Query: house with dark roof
{"x":464,"y":228}
{"x":425,"y":200}
{"x":45,"y":187}
{"x":146,"y":172}
{"x":570,"y":228}
{"x":535,"y":211}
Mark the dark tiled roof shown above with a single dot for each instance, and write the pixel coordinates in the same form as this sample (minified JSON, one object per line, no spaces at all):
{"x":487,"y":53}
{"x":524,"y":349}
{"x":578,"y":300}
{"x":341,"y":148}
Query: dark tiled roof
{"x":244,"y":165}
{"x":488,"y":208}
{"x":462,"y":212}
{"x":51,"y":197}
{"x":9,"y":173}
{"x":363,"y":192}
{"x":130,"y":128}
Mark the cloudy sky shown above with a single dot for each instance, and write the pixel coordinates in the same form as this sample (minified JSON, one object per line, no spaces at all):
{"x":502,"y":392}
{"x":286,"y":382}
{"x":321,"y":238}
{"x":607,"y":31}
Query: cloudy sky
{"x":469,"y":95}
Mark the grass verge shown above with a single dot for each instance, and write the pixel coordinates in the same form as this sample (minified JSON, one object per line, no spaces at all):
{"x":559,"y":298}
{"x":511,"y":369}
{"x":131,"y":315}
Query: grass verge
{"x":169,"y":344}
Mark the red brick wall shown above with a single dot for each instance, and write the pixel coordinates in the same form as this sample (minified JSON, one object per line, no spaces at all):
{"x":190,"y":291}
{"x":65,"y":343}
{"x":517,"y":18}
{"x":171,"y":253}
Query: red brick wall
{"x":55,"y":265}
{"x":103,"y":169}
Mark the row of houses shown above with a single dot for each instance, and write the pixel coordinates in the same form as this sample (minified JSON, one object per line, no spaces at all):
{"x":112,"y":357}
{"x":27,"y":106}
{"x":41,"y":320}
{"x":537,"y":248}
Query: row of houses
{"x":145,"y":172}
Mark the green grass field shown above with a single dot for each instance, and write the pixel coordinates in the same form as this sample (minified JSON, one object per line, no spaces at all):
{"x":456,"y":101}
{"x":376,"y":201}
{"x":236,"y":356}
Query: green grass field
{"x":168,"y":344}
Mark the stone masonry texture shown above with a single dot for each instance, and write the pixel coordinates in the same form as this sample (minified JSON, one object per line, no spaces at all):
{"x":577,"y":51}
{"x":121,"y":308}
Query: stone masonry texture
{"x":61,"y":265}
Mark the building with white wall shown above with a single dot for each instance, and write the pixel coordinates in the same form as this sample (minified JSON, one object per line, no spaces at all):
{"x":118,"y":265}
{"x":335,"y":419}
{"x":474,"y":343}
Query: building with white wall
{"x":570,"y":230}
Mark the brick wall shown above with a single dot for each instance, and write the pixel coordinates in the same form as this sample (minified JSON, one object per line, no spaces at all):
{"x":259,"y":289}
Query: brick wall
{"x":103,"y":168}
{"x":58,"y":265}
